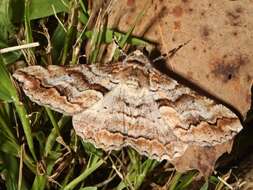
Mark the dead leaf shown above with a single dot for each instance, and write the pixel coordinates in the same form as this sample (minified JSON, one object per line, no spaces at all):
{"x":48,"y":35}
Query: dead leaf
{"x":218,"y":57}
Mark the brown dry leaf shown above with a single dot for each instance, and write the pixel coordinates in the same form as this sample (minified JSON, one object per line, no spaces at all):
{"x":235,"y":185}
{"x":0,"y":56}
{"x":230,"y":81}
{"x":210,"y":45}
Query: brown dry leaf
{"x":218,"y":56}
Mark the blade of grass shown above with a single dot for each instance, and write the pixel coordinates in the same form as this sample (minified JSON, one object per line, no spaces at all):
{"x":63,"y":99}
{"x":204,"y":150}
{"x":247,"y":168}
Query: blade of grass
{"x":6,"y":129}
{"x":89,"y":188}
{"x":96,"y":39}
{"x":84,"y":16}
{"x":146,"y":167}
{"x":205,"y":186}
{"x":26,"y":125}
{"x":10,"y":147}
{"x":28,"y":29}
{"x":57,"y":43}
{"x":71,"y":31}
{"x":175,"y":181}
{"x":123,"y":41}
{"x":20,"y":173}
{"x":53,"y":121}
{"x":108,"y":37}
{"x":41,"y":179}
{"x":69,"y":175}
{"x":6,"y":25}
{"x":53,"y":135}
{"x":43,"y":8}
{"x":186,"y":180}
{"x":11,"y":171}
{"x":7,"y":86}
{"x":29,"y":53}
{"x":137,"y":171}
{"x":94,"y":163}
{"x":91,"y":149}
{"x":78,"y":43}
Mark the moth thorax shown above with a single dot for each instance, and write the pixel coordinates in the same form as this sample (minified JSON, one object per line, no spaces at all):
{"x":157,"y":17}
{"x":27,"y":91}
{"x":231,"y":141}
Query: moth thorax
{"x":133,"y":83}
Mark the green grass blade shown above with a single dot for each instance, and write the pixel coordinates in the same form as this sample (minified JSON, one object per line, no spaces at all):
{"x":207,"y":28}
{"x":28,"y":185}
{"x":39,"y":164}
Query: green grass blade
{"x":71,"y":31}
{"x":20,"y":174}
{"x":94,"y":163}
{"x":28,"y":29}
{"x":186,"y":180}
{"x":89,"y":188}
{"x":44,"y":8}
{"x":129,"y":32}
{"x":57,"y":43}
{"x":5,"y":129}
{"x":9,"y":146}
{"x":11,"y":172}
{"x":108,"y":37}
{"x":175,"y":181}
{"x":26,"y":125}
{"x":84,"y":16}
{"x":205,"y":186}
{"x":7,"y":86}
{"x":53,"y":120}
{"x":41,"y":180}
{"x":137,"y":171}
{"x":124,"y":39}
{"x":29,"y":53}
{"x":53,"y":135}
{"x":8,"y":14}
{"x":96,"y":40}
{"x":5,"y":19}
{"x":67,"y":177}
{"x":146,"y":167}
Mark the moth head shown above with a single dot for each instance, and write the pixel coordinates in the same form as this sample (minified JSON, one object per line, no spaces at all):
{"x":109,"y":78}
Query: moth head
{"x":137,"y":57}
{"x":136,"y":70}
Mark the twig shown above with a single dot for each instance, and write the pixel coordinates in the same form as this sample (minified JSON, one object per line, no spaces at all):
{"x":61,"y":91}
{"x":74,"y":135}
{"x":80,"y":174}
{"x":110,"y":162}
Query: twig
{"x":225,"y":183}
{"x":20,"y":47}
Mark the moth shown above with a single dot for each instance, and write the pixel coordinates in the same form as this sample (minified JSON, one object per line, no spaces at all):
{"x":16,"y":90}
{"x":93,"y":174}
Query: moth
{"x":130,"y":103}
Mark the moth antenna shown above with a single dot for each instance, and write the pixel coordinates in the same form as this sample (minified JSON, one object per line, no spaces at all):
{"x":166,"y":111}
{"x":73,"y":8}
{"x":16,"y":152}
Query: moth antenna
{"x":175,"y":50}
{"x":171,"y":53}
{"x":161,"y":57}
{"x":118,"y":46}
